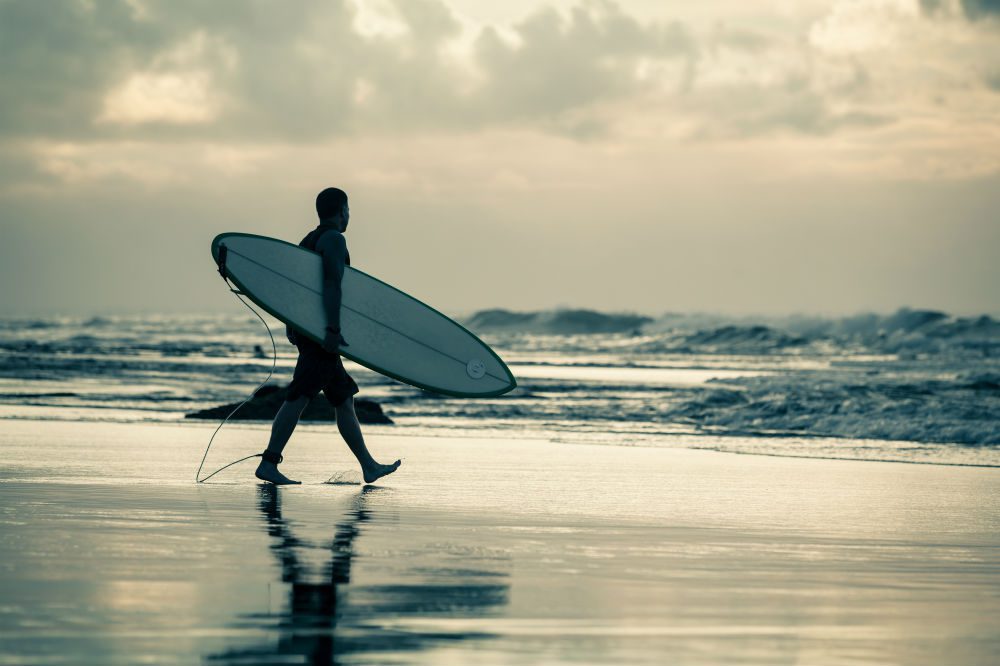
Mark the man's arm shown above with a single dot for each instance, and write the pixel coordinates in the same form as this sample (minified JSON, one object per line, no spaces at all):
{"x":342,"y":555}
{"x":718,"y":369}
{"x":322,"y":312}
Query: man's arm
{"x":333,"y":248}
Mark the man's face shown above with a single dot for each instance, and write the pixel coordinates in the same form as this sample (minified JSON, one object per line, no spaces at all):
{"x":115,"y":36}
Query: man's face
{"x":346,"y":216}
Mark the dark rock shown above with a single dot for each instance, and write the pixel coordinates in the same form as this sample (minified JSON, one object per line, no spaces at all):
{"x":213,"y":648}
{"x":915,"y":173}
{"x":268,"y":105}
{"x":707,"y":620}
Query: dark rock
{"x":266,"y":402}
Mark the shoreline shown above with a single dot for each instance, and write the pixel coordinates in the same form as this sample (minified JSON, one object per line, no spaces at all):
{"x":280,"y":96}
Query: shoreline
{"x":736,"y":444}
{"x":168,"y":452}
{"x":485,"y":550}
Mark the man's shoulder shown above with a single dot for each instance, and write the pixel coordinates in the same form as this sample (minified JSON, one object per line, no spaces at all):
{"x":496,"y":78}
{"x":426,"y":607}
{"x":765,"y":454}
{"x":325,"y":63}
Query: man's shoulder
{"x":331,"y":240}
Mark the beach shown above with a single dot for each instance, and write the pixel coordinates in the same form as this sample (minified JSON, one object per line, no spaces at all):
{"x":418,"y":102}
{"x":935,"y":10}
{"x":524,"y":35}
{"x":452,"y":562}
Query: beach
{"x":488,"y":548}
{"x":682,"y":319}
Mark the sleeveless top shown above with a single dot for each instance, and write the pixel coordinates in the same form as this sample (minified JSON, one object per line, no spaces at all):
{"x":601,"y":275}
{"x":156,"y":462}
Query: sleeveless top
{"x":312,"y":240}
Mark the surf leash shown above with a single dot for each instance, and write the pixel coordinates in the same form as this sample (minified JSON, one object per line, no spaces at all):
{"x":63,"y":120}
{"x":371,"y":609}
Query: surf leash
{"x":274,"y":364}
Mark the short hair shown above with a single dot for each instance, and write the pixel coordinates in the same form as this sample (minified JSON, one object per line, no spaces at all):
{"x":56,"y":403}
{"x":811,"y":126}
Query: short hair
{"x":330,"y":202}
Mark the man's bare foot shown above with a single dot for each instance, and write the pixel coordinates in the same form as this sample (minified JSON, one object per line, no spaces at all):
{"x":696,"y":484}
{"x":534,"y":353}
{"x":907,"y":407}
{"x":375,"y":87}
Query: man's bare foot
{"x":378,"y":471}
{"x":267,"y":471}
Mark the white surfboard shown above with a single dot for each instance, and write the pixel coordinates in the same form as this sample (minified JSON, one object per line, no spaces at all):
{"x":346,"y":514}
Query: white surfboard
{"x":386,"y":330}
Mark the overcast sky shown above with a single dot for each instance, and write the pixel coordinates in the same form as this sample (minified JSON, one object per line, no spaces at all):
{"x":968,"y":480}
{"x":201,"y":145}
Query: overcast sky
{"x":725,"y":155}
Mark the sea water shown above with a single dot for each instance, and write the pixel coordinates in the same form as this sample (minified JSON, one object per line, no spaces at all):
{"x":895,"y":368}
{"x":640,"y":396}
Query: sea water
{"x":914,"y":386}
{"x":566,"y":522}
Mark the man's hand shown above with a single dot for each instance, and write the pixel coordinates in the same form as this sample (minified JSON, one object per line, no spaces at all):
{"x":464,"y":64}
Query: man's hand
{"x":290,"y":334}
{"x":333,"y":340}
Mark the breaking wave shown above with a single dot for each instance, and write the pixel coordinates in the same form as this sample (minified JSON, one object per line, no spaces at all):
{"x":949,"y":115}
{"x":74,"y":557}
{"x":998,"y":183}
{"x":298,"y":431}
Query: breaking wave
{"x":905,"y":332}
{"x":958,"y":410}
{"x":911,"y":376}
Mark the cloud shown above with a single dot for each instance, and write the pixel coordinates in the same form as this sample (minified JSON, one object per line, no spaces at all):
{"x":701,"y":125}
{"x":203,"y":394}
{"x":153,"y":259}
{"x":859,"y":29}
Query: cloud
{"x":856,"y":26}
{"x":797,"y":109}
{"x":972,"y":9}
{"x":561,"y":64}
{"x":106,"y":69}
{"x":252,"y":73}
{"x":741,"y":39}
{"x":170,"y":98}
{"x":177,"y":88}
{"x":59,"y":60}
{"x":308,"y":70}
{"x":977,"y":9}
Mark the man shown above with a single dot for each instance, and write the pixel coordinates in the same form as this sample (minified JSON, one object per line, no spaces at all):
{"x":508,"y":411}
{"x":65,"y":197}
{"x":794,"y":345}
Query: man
{"x":319,"y":366}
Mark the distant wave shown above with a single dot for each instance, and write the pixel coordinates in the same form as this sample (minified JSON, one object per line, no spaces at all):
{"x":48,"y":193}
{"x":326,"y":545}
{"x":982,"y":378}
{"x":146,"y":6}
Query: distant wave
{"x":555,"y":322}
{"x":905,"y":332}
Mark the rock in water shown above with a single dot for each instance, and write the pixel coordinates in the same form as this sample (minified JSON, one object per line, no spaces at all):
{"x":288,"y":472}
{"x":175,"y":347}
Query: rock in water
{"x":266,"y":402}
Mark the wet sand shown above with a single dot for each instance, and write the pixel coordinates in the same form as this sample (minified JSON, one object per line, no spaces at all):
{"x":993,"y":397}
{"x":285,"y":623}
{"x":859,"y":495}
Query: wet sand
{"x":484,"y":550}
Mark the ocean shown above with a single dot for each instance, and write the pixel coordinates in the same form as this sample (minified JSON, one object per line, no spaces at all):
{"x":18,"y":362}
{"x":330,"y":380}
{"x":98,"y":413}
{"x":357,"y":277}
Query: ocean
{"x":913,"y":386}
{"x":595,"y":515}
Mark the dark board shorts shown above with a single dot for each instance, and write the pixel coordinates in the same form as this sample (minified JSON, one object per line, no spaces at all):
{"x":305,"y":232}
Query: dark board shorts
{"x":319,"y":370}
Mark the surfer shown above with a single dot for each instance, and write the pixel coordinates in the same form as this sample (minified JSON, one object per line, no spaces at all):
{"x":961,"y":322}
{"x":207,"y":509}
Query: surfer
{"x":319,"y":367}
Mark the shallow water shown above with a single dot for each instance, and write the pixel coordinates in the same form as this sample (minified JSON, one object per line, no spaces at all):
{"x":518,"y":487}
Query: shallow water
{"x":857,"y":387}
{"x":485,"y":550}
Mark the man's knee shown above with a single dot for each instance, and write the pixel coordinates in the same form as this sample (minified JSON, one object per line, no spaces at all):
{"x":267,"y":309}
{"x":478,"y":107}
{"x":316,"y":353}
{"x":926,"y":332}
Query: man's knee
{"x":345,"y":406}
{"x":291,"y":411}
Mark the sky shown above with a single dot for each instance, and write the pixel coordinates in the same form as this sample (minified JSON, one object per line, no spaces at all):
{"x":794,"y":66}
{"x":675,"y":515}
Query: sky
{"x":733,"y":156}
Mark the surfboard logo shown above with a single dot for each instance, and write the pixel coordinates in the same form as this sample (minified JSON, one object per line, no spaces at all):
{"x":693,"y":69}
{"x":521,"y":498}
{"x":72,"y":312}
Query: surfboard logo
{"x":475,"y":368}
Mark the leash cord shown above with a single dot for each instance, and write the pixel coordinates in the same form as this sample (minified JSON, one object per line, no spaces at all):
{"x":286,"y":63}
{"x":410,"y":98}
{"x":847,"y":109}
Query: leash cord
{"x":274,"y":364}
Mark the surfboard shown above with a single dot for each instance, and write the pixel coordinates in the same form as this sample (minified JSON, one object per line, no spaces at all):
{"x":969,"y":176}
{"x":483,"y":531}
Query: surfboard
{"x":386,"y":329}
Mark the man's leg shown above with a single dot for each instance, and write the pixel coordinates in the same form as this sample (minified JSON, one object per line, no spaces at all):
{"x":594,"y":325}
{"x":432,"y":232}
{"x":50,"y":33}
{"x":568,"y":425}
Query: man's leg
{"x":350,"y":430}
{"x":281,"y":430}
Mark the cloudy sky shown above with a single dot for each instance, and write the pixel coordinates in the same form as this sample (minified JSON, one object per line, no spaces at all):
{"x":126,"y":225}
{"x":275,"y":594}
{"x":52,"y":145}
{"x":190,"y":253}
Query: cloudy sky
{"x":727,"y":155}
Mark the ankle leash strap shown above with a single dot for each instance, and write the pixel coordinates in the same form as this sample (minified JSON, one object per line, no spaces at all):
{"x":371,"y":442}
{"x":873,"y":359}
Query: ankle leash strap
{"x":273,"y":458}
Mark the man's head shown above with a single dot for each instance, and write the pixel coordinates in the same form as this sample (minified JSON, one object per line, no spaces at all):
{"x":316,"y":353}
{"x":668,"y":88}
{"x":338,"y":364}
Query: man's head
{"x":332,"y":208}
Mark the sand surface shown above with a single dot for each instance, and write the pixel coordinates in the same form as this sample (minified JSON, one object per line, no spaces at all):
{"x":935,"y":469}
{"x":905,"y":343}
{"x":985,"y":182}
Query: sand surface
{"x":484,"y":550}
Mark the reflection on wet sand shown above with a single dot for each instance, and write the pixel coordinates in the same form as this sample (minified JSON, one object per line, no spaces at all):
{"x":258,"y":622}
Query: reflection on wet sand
{"x":320,"y":622}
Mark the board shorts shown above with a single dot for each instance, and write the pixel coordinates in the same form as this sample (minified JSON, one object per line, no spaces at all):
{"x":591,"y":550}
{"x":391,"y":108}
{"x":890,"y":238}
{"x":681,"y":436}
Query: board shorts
{"x":319,"y":370}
